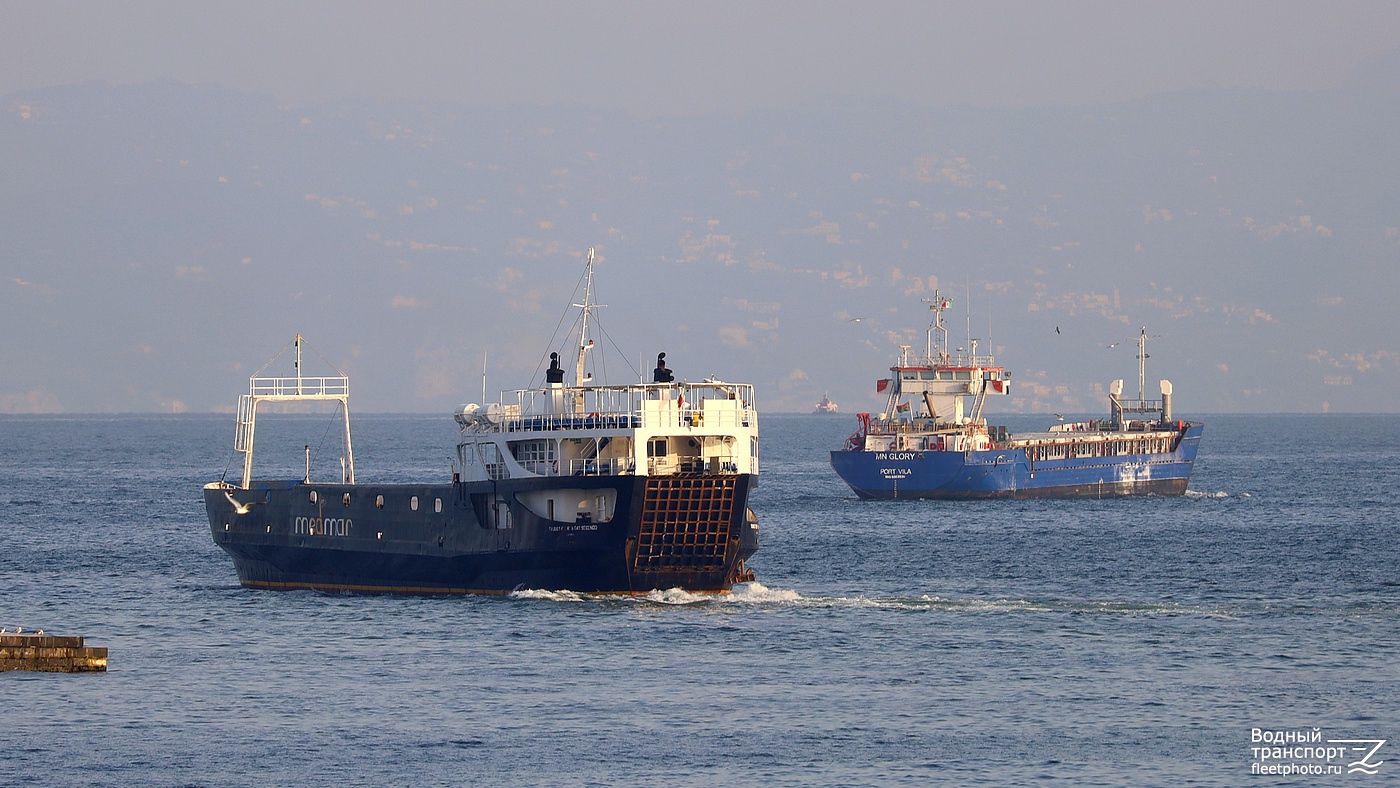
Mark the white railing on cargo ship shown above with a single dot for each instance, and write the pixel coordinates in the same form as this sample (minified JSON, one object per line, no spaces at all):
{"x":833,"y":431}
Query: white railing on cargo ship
{"x":1140,"y":405}
{"x":959,"y":359}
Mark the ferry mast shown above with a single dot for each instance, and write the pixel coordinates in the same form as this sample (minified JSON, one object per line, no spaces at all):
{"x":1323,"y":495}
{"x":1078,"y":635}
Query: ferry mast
{"x":587,"y":307}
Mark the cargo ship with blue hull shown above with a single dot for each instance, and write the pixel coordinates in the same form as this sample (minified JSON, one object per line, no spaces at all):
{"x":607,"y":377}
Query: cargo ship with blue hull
{"x":931,"y":444}
{"x":566,"y":486}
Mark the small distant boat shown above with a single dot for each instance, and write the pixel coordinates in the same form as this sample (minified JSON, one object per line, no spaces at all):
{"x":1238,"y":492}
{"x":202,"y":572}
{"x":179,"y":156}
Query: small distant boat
{"x":926,"y":444}
{"x":826,"y":406}
{"x":566,"y":486}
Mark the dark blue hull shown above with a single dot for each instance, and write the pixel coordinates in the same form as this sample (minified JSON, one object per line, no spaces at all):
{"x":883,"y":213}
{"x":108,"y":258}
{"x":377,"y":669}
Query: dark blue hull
{"x":1010,"y":473}
{"x":689,"y":531}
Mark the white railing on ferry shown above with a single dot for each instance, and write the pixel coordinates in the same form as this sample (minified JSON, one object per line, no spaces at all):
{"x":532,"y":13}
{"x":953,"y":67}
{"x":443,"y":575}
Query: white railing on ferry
{"x":614,"y":467}
{"x":622,"y":407}
{"x":299,"y":387}
{"x":662,"y":466}
{"x":617,"y":466}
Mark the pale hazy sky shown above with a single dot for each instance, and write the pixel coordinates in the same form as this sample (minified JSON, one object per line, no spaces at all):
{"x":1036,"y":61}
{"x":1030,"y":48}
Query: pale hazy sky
{"x":696,"y":56}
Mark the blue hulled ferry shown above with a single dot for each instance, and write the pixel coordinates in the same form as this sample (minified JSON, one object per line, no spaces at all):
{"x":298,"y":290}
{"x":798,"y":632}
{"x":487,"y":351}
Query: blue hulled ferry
{"x":928,"y":443}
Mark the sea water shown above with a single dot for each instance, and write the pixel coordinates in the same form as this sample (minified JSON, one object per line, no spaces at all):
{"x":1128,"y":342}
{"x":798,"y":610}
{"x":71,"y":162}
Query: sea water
{"x":1149,"y":641}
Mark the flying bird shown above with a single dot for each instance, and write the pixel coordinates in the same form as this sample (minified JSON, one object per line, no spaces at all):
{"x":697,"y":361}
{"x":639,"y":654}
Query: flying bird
{"x":1115,"y":344}
{"x":239,"y":508}
{"x":1058,"y":417}
{"x":1057,"y":329}
{"x":855,"y":320}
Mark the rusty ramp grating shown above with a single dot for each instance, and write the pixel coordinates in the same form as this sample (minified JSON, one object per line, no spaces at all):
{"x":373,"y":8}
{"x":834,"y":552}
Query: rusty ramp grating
{"x":685,"y":522}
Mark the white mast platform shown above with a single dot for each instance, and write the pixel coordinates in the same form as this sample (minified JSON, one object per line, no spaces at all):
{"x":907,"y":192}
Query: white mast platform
{"x":334,"y":388}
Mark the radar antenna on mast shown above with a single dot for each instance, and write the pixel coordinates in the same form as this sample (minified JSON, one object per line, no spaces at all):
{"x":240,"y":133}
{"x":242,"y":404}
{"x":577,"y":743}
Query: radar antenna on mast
{"x":937,"y":305}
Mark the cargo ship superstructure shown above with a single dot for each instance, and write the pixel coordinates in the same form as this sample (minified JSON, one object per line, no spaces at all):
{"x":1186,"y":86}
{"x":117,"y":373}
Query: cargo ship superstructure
{"x":928,"y":443}
{"x":565,"y":486}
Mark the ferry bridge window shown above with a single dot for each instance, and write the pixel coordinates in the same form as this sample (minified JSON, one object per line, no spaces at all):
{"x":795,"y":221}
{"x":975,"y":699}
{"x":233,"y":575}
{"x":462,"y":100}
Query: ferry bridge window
{"x":536,"y":451}
{"x":945,"y":375}
{"x":928,"y":375}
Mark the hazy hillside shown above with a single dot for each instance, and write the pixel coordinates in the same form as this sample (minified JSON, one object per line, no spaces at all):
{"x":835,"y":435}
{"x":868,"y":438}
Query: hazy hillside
{"x":160,"y":241}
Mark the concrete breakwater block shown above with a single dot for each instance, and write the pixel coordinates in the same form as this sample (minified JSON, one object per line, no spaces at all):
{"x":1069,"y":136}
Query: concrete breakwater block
{"x":51,"y":654}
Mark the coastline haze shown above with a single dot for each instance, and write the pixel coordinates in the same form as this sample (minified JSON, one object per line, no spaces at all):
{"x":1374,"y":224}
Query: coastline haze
{"x":666,"y":59}
{"x":184,"y":188}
